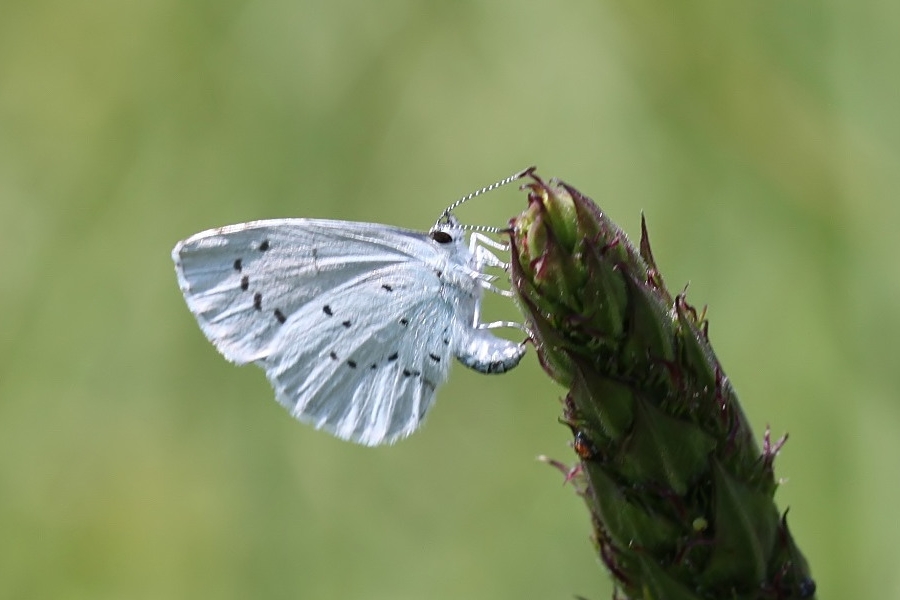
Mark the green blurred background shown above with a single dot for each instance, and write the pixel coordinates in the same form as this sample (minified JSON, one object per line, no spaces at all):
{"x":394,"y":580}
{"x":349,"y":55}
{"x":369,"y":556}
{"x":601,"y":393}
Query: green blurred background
{"x":760,"y":138}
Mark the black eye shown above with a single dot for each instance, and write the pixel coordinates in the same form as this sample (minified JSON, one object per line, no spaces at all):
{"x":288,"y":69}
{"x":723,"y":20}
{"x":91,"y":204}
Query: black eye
{"x":441,"y":237}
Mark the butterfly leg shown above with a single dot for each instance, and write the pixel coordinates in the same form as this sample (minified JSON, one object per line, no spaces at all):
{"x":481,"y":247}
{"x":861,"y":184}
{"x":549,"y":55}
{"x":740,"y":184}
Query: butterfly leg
{"x":499,"y":324}
{"x":486,"y":258}
{"x":480,"y":238}
{"x":478,"y":243}
{"x":486,"y":284}
{"x":484,"y":281}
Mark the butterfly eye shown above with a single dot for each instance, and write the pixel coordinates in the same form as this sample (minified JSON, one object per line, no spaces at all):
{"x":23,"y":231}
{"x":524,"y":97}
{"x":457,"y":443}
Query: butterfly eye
{"x":441,"y":237}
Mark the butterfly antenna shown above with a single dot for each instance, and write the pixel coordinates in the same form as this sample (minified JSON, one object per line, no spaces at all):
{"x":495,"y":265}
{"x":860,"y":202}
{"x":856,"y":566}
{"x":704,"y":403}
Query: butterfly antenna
{"x":446,"y":214}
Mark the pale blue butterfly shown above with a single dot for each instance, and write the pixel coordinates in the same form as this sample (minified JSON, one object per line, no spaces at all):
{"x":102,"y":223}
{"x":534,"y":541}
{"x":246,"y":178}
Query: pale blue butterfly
{"x":354,"y":323}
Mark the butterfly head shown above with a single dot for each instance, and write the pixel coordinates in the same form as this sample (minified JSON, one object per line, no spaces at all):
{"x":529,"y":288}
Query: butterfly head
{"x":448,"y":231}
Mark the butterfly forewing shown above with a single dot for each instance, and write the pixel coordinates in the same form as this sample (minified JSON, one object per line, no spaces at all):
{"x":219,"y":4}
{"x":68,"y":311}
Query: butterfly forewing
{"x":243,"y":281}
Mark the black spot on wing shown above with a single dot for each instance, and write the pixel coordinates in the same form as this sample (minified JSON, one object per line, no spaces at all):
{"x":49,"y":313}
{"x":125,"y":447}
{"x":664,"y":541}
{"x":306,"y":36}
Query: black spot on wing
{"x":333,"y":355}
{"x":346,"y":324}
{"x":434,"y":357}
{"x":264,"y":246}
{"x":238,"y":265}
{"x":245,"y":283}
{"x":404,"y":321}
{"x":327,"y":310}
{"x":257,"y":301}
{"x":386,"y":287}
{"x":280,"y":316}
{"x":393,"y":356}
{"x":315,"y":259}
{"x":496,"y":366}
{"x":351,"y":364}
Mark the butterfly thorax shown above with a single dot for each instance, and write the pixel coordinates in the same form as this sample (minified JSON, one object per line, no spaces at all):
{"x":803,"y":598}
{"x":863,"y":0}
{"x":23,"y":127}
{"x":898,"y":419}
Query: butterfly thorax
{"x":455,"y":266}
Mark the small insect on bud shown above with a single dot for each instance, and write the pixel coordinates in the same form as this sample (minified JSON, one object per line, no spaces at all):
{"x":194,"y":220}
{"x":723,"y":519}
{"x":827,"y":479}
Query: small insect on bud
{"x":583,"y":446}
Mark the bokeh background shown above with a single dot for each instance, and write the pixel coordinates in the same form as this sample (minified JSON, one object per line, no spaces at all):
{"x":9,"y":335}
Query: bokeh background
{"x":761,"y":139}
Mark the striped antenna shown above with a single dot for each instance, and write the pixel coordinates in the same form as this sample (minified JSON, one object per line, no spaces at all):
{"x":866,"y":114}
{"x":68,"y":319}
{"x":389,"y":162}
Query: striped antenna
{"x":446,"y":214}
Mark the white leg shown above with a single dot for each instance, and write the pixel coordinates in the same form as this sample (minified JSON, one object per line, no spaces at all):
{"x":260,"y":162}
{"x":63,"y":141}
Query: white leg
{"x":493,"y":288}
{"x":483,"y":256}
{"x":499,"y":324}
{"x":477,"y":316}
{"x":486,"y":258}
{"x":486,"y":241}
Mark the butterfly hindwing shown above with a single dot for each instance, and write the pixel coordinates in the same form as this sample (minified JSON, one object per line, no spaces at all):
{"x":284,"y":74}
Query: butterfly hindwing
{"x":367,"y":368}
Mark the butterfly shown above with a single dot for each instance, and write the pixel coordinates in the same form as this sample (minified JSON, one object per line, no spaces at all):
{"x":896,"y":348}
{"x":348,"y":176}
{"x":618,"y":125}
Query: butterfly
{"x":355,"y":324}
